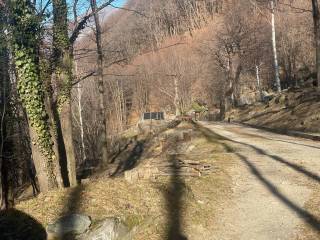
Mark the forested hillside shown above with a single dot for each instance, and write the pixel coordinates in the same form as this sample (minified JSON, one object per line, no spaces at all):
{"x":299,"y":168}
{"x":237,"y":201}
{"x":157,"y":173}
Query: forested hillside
{"x":190,"y":53}
{"x":77,"y":77}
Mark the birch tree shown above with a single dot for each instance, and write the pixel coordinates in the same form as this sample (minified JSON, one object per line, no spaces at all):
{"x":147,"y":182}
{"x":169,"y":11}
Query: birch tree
{"x":274,"y":47}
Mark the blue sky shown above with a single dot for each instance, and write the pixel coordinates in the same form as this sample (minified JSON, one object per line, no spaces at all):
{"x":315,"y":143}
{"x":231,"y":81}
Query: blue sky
{"x":83,"y":5}
{"x":119,"y":3}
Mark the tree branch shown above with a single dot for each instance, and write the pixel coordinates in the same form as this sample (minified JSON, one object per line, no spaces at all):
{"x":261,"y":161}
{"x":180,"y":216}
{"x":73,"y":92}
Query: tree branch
{"x":82,"y":24}
{"x":301,"y":10}
{"x":165,"y":92}
{"x":130,"y":10}
{"x":45,"y":8}
{"x":83,"y":78}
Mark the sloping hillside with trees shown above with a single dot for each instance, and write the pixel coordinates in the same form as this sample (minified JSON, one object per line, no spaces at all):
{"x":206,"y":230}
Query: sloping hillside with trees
{"x":214,"y":53}
{"x":76,"y":77}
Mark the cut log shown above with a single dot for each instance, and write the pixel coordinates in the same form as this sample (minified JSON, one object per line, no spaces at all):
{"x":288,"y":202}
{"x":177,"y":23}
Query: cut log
{"x":190,"y":174}
{"x":191,"y":162}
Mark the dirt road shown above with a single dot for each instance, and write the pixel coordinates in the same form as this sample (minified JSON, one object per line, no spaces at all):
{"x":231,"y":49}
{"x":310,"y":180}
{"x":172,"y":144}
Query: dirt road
{"x":275,"y":185}
{"x":261,"y":186}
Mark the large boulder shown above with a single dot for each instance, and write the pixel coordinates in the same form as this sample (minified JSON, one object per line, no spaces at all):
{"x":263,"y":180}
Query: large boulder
{"x":108,"y":229}
{"x":70,"y":224}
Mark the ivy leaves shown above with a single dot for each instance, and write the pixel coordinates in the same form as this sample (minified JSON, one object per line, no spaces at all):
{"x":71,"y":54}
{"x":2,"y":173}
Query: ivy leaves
{"x":31,"y":91}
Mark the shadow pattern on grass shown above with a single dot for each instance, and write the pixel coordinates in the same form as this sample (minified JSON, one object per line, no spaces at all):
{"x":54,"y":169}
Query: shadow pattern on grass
{"x":132,"y":160}
{"x":174,"y":202}
{"x":72,"y":206}
{"x":140,"y":147}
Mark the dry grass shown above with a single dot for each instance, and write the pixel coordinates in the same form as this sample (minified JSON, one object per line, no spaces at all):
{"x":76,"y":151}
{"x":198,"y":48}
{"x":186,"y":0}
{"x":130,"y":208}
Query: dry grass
{"x":146,"y":205}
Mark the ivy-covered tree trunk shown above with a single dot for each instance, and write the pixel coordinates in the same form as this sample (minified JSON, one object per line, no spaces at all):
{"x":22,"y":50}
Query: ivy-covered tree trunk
{"x":62,"y":54}
{"x":25,"y":32}
{"x":49,"y":103}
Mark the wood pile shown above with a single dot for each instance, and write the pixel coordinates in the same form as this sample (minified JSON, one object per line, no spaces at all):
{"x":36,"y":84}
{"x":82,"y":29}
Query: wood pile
{"x":180,"y":165}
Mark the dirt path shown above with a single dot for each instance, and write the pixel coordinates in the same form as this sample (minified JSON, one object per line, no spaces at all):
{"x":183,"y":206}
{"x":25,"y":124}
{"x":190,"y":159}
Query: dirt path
{"x":275,"y":180}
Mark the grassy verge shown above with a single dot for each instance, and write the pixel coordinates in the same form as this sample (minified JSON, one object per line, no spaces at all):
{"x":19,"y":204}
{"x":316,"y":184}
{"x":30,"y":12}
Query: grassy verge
{"x":147,"y":205}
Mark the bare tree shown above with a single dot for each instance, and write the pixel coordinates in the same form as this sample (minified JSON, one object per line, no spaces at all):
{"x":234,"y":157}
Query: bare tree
{"x":63,"y":76}
{"x":100,"y":83}
{"x":316,"y":22}
{"x":4,"y":104}
{"x":274,"y":47}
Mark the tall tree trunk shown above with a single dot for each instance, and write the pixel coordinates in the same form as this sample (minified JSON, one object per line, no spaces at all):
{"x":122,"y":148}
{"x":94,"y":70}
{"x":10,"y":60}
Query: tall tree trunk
{"x":2,"y":137}
{"x":231,"y":88}
{"x":176,"y":96}
{"x":234,"y":72}
{"x":258,"y":81}
{"x":83,"y":147}
{"x":316,"y":22}
{"x":3,"y":103}
{"x":41,"y":164}
{"x":80,"y":111}
{"x":61,"y":176}
{"x":62,"y":54}
{"x":223,"y":106}
{"x":274,"y":47}
{"x":4,"y":81}
{"x":258,"y":76}
{"x":66,"y":128}
{"x":61,"y":173}
{"x":101,"y":89}
{"x":31,"y":91}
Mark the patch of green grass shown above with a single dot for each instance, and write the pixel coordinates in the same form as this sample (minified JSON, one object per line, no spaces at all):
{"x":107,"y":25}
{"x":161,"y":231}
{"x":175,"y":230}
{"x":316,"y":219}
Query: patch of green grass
{"x":133,"y":220}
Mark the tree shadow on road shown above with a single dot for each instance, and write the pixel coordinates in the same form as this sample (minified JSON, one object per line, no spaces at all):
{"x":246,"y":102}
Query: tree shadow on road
{"x":307,"y":217}
{"x":300,"y":169}
{"x":260,"y":129}
{"x":210,"y":135}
